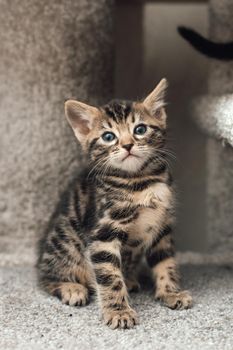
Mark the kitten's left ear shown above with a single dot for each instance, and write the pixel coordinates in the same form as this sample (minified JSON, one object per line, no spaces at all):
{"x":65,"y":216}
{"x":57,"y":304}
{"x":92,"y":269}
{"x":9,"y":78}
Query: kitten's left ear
{"x":155,"y":101}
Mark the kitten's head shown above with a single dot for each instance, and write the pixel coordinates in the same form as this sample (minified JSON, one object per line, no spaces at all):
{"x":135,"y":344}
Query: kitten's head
{"x":120,"y":135}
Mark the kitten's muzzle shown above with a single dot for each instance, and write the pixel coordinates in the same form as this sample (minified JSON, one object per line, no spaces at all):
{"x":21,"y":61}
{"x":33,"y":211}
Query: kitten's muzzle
{"x":130,"y":155}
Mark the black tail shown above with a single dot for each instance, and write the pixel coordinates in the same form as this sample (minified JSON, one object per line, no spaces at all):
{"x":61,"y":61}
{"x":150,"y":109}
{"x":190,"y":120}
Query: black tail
{"x":211,"y":49}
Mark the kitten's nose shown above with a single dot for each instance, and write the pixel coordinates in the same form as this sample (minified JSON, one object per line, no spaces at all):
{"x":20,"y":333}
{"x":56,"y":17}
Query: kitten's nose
{"x":128,"y":146}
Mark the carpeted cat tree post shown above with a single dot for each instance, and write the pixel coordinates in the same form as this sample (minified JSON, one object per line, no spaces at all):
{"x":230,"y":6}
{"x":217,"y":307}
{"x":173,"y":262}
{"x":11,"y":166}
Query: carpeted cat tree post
{"x":214,"y":113}
{"x":50,"y":51}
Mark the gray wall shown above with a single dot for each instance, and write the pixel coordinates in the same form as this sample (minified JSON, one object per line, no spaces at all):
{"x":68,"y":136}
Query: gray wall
{"x":50,"y":51}
{"x":149,"y":48}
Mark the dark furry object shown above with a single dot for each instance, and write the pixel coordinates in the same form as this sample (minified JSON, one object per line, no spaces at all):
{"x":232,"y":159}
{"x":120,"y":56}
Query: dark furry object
{"x":220,"y":51}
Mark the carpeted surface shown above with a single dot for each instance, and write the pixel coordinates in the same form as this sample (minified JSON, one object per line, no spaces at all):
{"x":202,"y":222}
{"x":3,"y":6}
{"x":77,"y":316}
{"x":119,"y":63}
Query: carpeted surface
{"x":32,"y":320}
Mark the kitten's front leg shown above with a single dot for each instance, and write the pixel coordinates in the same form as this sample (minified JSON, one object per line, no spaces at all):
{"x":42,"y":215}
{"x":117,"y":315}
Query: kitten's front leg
{"x":161,"y":259}
{"x":112,"y":292}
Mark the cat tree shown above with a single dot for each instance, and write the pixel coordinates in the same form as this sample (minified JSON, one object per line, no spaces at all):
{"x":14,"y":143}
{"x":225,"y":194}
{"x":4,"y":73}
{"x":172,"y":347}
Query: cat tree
{"x":214,"y":113}
{"x":50,"y":51}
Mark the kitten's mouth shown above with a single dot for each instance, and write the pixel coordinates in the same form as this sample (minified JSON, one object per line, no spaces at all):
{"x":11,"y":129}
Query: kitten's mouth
{"x":130,"y":155}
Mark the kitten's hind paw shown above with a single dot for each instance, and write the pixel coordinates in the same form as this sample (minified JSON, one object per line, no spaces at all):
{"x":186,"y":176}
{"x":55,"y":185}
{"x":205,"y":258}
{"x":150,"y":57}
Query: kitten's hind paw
{"x":177,"y":300}
{"x":121,"y":318}
{"x":73,"y":294}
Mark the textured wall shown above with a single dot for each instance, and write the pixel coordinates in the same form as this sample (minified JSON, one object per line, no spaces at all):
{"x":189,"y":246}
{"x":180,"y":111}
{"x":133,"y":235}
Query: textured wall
{"x":50,"y":51}
{"x":220,"y":197}
{"x":214,"y":113}
{"x":220,"y":159}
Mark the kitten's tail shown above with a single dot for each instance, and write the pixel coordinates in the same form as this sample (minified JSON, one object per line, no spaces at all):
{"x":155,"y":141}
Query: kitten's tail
{"x":221,"y":51}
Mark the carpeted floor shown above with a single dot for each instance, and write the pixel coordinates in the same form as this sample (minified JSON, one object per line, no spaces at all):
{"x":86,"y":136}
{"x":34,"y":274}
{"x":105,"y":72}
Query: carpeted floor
{"x":32,"y":320}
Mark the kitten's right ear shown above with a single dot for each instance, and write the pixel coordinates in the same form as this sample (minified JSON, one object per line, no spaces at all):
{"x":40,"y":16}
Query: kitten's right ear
{"x":81,"y":118}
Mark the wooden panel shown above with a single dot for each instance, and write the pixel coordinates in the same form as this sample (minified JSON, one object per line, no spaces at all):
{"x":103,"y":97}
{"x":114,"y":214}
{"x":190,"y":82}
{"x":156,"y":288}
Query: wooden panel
{"x":129,"y":53}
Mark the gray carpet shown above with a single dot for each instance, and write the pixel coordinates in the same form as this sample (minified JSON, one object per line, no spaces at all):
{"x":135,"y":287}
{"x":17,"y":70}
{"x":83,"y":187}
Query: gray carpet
{"x":32,"y":320}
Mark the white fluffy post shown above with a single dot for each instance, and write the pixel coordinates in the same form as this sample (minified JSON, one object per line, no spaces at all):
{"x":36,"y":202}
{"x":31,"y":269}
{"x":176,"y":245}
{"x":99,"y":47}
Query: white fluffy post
{"x":214,"y":113}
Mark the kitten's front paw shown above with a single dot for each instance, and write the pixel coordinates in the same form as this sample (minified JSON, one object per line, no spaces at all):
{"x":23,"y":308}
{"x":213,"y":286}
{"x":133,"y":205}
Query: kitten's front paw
{"x":120,"y":318}
{"x":177,"y":300}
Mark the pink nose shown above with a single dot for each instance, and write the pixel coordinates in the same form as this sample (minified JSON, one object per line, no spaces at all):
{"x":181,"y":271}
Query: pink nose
{"x":128,"y":146}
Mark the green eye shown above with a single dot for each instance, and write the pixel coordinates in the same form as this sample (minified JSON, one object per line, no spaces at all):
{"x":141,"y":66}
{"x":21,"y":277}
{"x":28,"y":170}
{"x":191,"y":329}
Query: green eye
{"x":140,"y":129}
{"x":108,"y":136}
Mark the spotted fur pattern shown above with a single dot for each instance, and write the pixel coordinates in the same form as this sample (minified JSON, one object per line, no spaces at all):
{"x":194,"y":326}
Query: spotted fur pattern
{"x":119,"y":209}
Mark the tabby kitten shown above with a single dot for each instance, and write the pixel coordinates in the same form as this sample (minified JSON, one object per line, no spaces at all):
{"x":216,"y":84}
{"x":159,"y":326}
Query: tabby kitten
{"x":118,"y":209}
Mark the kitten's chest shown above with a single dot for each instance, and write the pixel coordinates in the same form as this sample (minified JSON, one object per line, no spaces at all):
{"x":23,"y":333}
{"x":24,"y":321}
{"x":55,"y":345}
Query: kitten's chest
{"x":152,"y":212}
{"x":143,"y":214}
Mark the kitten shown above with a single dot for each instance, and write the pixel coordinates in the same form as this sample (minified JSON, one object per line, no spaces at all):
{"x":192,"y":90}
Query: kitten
{"x":119,"y":209}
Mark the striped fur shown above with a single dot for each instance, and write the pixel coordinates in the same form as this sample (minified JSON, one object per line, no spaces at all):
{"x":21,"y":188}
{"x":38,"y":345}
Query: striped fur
{"x":111,"y":215}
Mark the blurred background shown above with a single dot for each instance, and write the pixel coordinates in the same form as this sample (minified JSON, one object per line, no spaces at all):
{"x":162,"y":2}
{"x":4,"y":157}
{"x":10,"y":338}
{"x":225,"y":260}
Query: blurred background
{"x":93,"y":52}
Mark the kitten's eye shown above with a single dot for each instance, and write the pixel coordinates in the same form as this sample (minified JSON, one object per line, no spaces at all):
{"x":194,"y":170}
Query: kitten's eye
{"x":140,"y":129}
{"x":108,"y":136}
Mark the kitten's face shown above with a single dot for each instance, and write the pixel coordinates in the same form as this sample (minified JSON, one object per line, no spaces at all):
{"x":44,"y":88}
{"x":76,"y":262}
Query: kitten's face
{"x":120,"y":135}
{"x":125,"y":136}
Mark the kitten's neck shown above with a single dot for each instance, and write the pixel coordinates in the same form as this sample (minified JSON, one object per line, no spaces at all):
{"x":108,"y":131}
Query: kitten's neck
{"x":151,"y":167}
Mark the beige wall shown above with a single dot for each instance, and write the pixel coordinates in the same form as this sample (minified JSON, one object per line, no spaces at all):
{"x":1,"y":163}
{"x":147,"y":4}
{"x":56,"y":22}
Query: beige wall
{"x":149,"y":48}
